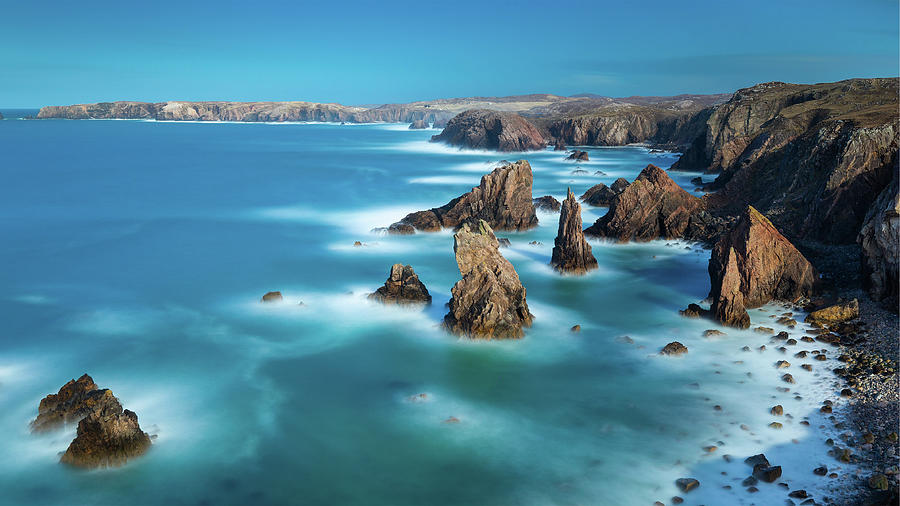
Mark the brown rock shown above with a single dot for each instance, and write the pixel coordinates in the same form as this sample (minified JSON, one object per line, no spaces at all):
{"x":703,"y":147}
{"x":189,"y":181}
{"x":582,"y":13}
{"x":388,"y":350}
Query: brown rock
{"x":838,"y":313}
{"x":272,"y":297}
{"x":651,"y":207}
{"x":880,"y":241}
{"x":571,"y":253}
{"x":491,"y":130}
{"x":107,"y":439}
{"x":489,"y":301}
{"x":74,"y":401}
{"x":503,"y":200}
{"x":752,"y":265}
{"x":402,"y":287}
{"x":419,"y":124}
{"x":674,"y":348}
{"x":581,"y":156}
{"x":546,"y":203}
{"x":601,"y":195}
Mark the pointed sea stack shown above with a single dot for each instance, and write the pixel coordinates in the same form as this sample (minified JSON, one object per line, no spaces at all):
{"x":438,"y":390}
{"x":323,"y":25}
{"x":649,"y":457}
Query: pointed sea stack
{"x":402,"y":287}
{"x":491,"y":130}
{"x":651,"y":207}
{"x":571,"y":253}
{"x":503,"y":199}
{"x":752,"y":265}
{"x":489,"y":301}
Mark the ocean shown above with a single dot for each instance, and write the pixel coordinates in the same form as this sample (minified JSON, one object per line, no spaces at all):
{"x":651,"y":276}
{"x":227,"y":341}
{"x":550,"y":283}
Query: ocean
{"x":137,"y":252}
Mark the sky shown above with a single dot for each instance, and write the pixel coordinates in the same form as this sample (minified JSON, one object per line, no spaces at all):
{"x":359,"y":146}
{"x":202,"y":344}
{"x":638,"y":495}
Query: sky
{"x":54,"y":52}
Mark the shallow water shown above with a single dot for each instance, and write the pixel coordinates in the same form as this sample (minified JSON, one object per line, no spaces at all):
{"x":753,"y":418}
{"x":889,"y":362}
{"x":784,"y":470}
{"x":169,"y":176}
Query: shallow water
{"x":137,"y":251}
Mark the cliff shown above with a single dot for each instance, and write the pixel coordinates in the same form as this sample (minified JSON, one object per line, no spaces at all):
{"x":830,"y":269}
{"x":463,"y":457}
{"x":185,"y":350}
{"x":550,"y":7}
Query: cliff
{"x":491,"y":130}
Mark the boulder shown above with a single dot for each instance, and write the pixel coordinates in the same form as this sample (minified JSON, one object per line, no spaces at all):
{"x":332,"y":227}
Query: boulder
{"x":272,"y":297}
{"x":402,"y":287}
{"x":767,"y":473}
{"x":880,"y":241}
{"x":107,"y":439}
{"x":571,"y":253}
{"x":752,"y":265}
{"x":581,"y":156}
{"x":489,"y":301}
{"x":74,"y":401}
{"x":503,"y":200}
{"x":546,"y":203}
{"x":651,"y":207}
{"x":838,"y":313}
{"x":491,"y":130}
{"x":674,"y":348}
{"x":687,"y":484}
{"x":419,"y":124}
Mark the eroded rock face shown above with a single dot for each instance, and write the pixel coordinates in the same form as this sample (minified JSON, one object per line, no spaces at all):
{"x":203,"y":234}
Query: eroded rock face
{"x":402,"y":287}
{"x":752,"y":265}
{"x":571,"y":253}
{"x":489,"y":301}
{"x":74,"y":401}
{"x":491,"y":130}
{"x":107,"y":439}
{"x":880,"y":241}
{"x":419,"y":124}
{"x":651,"y":207}
{"x":838,"y":313}
{"x":546,"y":203}
{"x":601,"y":195}
{"x":503,"y":200}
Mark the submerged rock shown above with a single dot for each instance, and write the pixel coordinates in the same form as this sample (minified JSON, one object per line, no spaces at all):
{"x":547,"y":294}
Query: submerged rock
{"x":272,"y":297}
{"x":581,"y":156}
{"x":752,"y":265}
{"x":402,"y":287}
{"x":491,"y":130}
{"x":571,"y":253}
{"x":651,"y":207}
{"x":687,"y":484}
{"x":489,"y":301}
{"x":674,"y":348}
{"x":546,"y":203}
{"x":503,"y":200}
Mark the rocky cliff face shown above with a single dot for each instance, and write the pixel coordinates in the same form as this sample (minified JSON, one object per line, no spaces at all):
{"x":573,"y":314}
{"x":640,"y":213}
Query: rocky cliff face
{"x":503,"y":200}
{"x":601,"y":195}
{"x":571,"y":253}
{"x":811,"y":157}
{"x":651,"y":207}
{"x":752,"y":265}
{"x":402,"y":287}
{"x":880,"y":241}
{"x":620,"y":124}
{"x":489,"y":301}
{"x":491,"y":130}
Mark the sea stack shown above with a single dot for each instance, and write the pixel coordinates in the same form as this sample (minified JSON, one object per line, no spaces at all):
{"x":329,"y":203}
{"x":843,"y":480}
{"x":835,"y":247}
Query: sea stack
{"x":107,"y":435}
{"x":601,"y":195}
{"x":489,"y":301}
{"x":402,"y":287}
{"x":503,"y":200}
{"x":752,"y":265}
{"x":651,"y":207}
{"x":491,"y":130}
{"x":571,"y":253}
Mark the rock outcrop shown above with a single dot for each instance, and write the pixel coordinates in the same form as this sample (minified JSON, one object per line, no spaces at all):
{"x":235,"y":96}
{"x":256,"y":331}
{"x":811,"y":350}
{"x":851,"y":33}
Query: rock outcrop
{"x":832,"y":315}
{"x":503,"y":200}
{"x":559,"y":146}
{"x":571,"y":253}
{"x":272,"y":297}
{"x":489,"y":301}
{"x":651,"y":207}
{"x":581,"y":156}
{"x":419,"y":124}
{"x":880,"y":241}
{"x":107,"y":435}
{"x":546,"y":203}
{"x":601,"y":195}
{"x":752,"y":265}
{"x":491,"y":130}
{"x":402,"y":287}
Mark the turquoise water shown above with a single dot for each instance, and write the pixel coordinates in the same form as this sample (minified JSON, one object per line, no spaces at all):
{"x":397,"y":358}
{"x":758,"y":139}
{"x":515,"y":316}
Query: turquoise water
{"x":137,"y":252}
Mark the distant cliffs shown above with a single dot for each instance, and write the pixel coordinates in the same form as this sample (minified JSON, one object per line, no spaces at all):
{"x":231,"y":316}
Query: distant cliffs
{"x":491,"y":130}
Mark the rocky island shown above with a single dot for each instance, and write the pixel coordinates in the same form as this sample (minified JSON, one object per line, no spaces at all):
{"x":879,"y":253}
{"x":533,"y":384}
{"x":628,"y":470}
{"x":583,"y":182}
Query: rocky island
{"x":492,"y":130}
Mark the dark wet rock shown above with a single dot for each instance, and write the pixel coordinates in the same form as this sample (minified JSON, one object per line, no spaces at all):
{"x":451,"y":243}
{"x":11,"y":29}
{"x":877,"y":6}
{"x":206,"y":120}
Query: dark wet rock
{"x":491,"y":130}
{"x":651,"y":207}
{"x":764,"y":330}
{"x":571,"y":252}
{"x":489,"y":301}
{"x":798,"y":494}
{"x":581,"y":156}
{"x":755,"y":460}
{"x":693,"y":311}
{"x":787,"y":378}
{"x":559,"y":146}
{"x":713,"y":333}
{"x":777,"y":410}
{"x":575,"y":328}
{"x":401,"y":228}
{"x":402,"y":287}
{"x":601,"y":195}
{"x":579,"y":172}
{"x":832,"y":315}
{"x":107,"y":438}
{"x":546,"y":203}
{"x":766,"y":473}
{"x":74,"y":401}
{"x":687,"y":484}
{"x":419,"y":124}
{"x":752,"y":265}
{"x":674,"y":348}
{"x":820,"y":471}
{"x":749,"y":481}
{"x":880,"y":242}
{"x":503,"y":242}
{"x":272,"y":297}
{"x":503,"y":200}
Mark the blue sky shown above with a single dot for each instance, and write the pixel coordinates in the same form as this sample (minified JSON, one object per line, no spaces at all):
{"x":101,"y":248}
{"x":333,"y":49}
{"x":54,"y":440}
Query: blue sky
{"x":376,"y":52}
